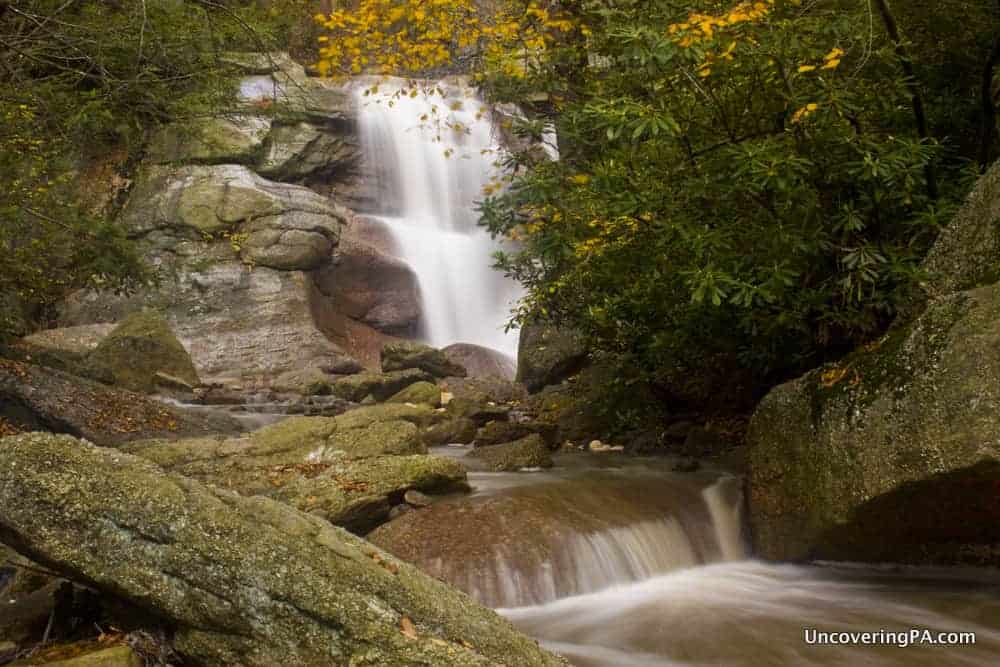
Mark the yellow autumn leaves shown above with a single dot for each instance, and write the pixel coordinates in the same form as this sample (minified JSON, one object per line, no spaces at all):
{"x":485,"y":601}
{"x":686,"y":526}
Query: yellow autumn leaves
{"x":411,"y":36}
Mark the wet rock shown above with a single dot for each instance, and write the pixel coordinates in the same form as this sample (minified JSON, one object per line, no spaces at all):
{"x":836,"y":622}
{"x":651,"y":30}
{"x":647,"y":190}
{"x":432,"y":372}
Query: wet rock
{"x":421,"y":393}
{"x":315,"y":381}
{"x":243,"y":580}
{"x":705,"y":441}
{"x":139,"y":349}
{"x":238,"y":139}
{"x":528,"y":452}
{"x":8,"y":650}
{"x":409,"y":355}
{"x":481,"y":361}
{"x":547,"y":355}
{"x":887,"y":455}
{"x":380,"y":386}
{"x":459,"y":430}
{"x":678,"y":431}
{"x":372,"y":287}
{"x":37,"y":398}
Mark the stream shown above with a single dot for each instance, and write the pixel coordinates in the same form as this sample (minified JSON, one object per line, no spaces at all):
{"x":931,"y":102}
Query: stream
{"x":619,"y":562}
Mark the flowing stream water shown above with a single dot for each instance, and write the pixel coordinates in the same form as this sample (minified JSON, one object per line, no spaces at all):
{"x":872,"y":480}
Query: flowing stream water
{"x":431,"y":150}
{"x":617,"y":562}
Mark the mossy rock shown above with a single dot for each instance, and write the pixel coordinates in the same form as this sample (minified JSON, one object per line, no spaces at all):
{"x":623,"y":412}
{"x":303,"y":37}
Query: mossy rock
{"x":498,"y":432}
{"x":478,"y":412}
{"x":139,"y":348}
{"x":405,"y":354}
{"x":380,"y":386}
{"x":232,"y":140}
{"x":528,"y":452}
{"x":419,"y":393}
{"x":458,"y":430}
{"x":919,"y":409}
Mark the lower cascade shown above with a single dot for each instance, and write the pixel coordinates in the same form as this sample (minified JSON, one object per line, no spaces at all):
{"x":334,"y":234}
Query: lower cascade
{"x":432,"y":150}
{"x":627,"y":567}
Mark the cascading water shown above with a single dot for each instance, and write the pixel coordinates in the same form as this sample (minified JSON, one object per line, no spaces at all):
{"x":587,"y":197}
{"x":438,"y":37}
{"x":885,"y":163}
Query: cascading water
{"x":634,"y":566}
{"x":431,"y":150}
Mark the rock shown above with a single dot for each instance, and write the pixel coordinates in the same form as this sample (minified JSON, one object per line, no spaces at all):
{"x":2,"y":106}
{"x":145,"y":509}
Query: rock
{"x":315,"y":381}
{"x":399,"y":510}
{"x":678,"y":431}
{"x":491,"y":389}
{"x":480,"y":413}
{"x":890,"y":454}
{"x":598,"y":446}
{"x":37,"y":398}
{"x":528,"y":452}
{"x":241,"y":327}
{"x":75,"y":341}
{"x":481,"y":361}
{"x":459,"y":430}
{"x":116,"y":656}
{"x":244,"y":581}
{"x":380,"y":386}
{"x":421,"y":393}
{"x":967,"y":252}
{"x":238,"y":139}
{"x":421,"y":416}
{"x":298,"y":151}
{"x":547,"y":355}
{"x":416,"y":499}
{"x":372,"y":287}
{"x":138,"y":349}
{"x":379,"y":438}
{"x":498,"y":432}
{"x":407,"y":354}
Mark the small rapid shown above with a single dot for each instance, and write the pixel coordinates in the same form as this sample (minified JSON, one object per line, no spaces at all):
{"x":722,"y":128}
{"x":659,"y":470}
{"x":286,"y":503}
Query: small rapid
{"x":627,"y":564}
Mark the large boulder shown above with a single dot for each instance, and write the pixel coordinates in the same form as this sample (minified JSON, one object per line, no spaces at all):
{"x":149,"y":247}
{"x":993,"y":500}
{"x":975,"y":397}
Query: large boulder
{"x":38,"y":398}
{"x":547,"y":355}
{"x":408,"y":354}
{"x":236,"y":139}
{"x":244,"y":581}
{"x":967,"y":252}
{"x":892,"y":453}
{"x":371,"y":286}
{"x":140,"y":351}
{"x":481,"y":361}
{"x":420,"y":393}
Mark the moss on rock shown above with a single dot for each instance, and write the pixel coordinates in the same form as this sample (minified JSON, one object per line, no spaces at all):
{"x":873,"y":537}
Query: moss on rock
{"x":528,"y":452}
{"x":139,"y":348}
{"x":419,"y":393}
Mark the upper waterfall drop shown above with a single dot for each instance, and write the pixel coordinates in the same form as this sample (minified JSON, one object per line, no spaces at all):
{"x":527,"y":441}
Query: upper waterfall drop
{"x":432,"y":153}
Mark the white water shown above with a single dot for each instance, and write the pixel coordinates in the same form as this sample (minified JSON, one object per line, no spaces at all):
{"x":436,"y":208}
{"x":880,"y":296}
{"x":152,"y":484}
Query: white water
{"x":431,"y":156}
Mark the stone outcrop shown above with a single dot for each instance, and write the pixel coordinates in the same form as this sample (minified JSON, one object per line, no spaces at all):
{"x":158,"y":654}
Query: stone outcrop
{"x":407,"y":354}
{"x":371,"y":286}
{"x":237,"y":139}
{"x":547,"y":355}
{"x":141,"y":352}
{"x":481,"y":362}
{"x":421,"y":393}
{"x":38,"y":398}
{"x":351,"y":470}
{"x":245,"y":581}
{"x":891,"y":454}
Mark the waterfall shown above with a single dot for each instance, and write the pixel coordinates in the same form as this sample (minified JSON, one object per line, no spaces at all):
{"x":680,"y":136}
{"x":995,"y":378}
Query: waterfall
{"x":431,"y":150}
